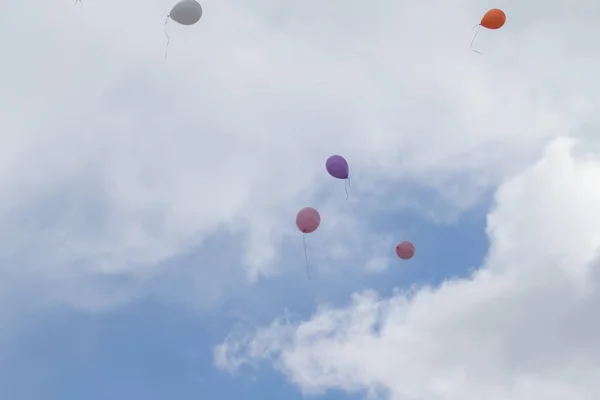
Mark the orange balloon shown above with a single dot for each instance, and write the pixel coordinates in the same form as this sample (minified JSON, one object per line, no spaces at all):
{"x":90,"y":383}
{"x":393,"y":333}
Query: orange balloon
{"x":493,"y":19}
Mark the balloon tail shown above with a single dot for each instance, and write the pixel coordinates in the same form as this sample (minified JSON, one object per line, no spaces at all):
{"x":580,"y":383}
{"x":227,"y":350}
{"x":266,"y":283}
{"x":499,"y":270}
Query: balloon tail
{"x":167,"y":35}
{"x":78,"y":1}
{"x":346,"y":188}
{"x":478,"y":26}
{"x":306,"y":256}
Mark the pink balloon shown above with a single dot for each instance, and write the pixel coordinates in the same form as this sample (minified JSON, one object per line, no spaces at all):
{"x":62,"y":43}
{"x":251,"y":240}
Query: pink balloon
{"x":405,"y":250}
{"x":308,"y":220}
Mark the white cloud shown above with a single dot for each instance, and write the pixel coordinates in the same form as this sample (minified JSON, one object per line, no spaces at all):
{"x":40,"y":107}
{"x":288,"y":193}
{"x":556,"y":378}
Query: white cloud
{"x":522,"y":327}
{"x":113,"y":160}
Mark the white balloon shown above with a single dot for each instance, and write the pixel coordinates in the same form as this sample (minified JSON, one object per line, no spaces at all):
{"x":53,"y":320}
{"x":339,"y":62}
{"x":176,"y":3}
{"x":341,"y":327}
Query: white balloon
{"x":186,"y":12}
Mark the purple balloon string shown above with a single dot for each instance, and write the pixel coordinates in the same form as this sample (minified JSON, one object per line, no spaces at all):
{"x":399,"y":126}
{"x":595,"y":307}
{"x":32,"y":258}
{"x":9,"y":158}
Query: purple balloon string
{"x":346,"y":189}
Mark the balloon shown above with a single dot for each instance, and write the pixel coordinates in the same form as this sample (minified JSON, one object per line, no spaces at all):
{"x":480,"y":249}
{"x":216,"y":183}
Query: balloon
{"x":308,"y":220}
{"x":186,"y":12}
{"x":337,"y":167}
{"x":493,"y":19}
{"x":405,"y":250}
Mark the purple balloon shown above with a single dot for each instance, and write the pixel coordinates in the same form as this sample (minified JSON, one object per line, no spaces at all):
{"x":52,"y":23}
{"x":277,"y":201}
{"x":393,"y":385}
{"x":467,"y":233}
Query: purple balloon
{"x":337,"y":167}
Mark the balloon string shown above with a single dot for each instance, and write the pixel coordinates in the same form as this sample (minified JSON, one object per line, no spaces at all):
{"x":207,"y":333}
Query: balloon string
{"x":478,"y":26}
{"x":167,"y":35}
{"x":306,"y":256}
{"x":346,"y":188}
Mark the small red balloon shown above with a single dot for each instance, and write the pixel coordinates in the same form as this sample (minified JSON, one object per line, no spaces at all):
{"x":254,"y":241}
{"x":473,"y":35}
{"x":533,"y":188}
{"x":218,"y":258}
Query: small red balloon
{"x":405,"y":250}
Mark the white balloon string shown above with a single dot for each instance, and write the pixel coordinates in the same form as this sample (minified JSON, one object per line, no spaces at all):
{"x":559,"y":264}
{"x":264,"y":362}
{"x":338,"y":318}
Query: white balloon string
{"x":346,"y":188}
{"x":167,"y":35}
{"x":306,"y":256}
{"x":478,"y":26}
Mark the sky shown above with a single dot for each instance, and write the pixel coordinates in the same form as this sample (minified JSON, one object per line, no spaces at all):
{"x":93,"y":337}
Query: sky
{"x":147,"y":240}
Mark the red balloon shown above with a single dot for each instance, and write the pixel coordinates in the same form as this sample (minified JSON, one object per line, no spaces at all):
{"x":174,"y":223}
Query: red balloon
{"x":405,"y":250}
{"x":308,"y":220}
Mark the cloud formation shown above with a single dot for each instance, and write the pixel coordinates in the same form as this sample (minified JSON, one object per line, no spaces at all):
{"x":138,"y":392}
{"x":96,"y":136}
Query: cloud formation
{"x":114,"y":161}
{"x":523,"y":326}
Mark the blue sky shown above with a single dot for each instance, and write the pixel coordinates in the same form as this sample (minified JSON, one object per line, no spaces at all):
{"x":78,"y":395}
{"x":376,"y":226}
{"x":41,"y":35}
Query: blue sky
{"x":152,"y":350}
{"x":147,"y":240}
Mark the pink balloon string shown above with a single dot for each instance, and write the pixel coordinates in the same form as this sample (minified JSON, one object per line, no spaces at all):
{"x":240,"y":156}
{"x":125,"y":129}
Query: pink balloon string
{"x":306,"y":255}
